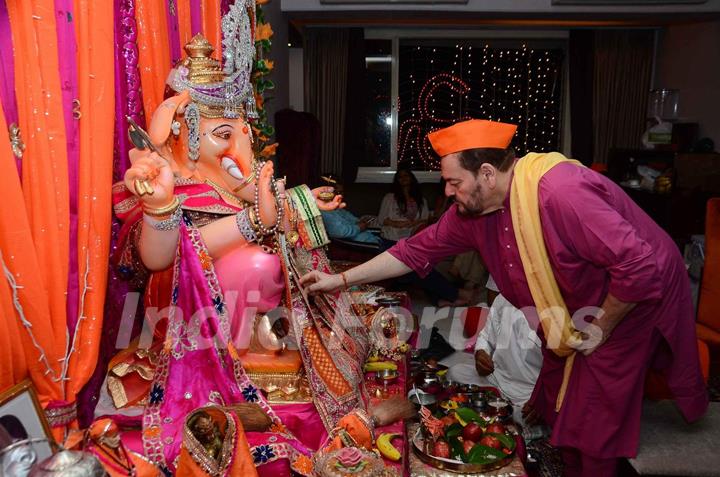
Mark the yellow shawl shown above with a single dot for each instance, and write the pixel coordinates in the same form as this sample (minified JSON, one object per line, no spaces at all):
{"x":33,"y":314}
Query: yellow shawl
{"x":559,"y":331}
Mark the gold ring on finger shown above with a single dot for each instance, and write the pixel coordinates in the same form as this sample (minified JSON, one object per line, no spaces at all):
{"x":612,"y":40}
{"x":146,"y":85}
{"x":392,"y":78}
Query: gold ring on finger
{"x":139,"y":189}
{"x":148,"y":188}
{"x":143,"y":187}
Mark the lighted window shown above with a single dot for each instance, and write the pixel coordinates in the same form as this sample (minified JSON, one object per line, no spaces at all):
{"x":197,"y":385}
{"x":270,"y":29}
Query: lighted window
{"x":422,"y":80}
{"x":378,"y":101}
{"x":442,"y":82}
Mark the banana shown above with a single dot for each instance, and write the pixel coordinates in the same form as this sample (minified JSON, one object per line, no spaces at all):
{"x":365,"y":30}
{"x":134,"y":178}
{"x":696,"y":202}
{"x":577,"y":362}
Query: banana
{"x":385,"y":446}
{"x":449,"y":405}
{"x":380,"y":366}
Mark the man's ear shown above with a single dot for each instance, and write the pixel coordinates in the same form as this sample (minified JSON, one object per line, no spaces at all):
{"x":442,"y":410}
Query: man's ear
{"x":488,"y":172}
{"x":161,"y":122}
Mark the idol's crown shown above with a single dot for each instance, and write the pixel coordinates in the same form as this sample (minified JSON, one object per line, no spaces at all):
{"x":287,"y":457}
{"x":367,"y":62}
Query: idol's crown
{"x":202,"y":68}
{"x":221,"y":90}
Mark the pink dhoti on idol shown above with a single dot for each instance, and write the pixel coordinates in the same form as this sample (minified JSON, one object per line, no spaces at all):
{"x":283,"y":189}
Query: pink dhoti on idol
{"x":216,"y":345}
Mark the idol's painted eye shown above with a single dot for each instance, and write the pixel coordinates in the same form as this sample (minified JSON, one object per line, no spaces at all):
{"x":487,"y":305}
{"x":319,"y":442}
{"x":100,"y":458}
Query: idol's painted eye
{"x":226,"y":135}
{"x":223,"y":131}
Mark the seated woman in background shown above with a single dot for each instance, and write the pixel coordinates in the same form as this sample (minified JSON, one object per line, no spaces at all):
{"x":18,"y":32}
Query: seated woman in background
{"x":403,"y":212}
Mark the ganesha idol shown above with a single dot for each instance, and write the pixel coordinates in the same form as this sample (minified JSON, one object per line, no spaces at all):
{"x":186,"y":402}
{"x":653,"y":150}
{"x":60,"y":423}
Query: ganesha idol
{"x":219,"y":245}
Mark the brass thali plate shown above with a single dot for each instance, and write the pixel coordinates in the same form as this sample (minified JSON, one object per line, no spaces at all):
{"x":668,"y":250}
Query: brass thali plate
{"x":418,"y":444}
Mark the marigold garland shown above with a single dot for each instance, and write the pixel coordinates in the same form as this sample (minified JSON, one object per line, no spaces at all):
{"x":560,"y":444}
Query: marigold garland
{"x":261,"y":127}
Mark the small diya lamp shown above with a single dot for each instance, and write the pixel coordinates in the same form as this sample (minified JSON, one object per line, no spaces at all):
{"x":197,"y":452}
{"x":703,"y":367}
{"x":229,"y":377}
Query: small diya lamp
{"x":328,"y":196}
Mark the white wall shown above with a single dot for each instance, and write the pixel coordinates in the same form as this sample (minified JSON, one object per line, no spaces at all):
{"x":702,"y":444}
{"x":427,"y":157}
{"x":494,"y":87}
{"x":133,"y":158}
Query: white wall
{"x":688,"y":59}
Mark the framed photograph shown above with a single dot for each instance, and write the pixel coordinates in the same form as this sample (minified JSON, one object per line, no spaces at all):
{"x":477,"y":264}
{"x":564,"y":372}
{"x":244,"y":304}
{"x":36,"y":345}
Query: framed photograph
{"x":25,"y":437}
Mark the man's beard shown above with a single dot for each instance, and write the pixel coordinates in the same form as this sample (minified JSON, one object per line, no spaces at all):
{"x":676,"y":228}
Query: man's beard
{"x":473,"y":208}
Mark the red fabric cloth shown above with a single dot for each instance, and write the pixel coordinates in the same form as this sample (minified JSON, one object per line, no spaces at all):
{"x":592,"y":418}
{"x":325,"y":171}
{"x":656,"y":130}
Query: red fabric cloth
{"x":599,"y":241}
{"x":709,"y":303}
{"x":472,"y":320}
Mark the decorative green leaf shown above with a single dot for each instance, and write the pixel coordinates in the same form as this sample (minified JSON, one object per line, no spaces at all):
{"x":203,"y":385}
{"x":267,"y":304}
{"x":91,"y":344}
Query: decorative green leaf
{"x":456,"y":449}
{"x":468,"y":415}
{"x":507,"y":441}
{"x":262,"y":85}
{"x":453,"y":430}
{"x":481,"y":454}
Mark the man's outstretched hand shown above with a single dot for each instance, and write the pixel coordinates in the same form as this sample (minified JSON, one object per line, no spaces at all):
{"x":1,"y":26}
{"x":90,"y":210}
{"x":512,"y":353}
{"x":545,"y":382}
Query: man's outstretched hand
{"x":318,"y":282}
{"x":392,"y":410}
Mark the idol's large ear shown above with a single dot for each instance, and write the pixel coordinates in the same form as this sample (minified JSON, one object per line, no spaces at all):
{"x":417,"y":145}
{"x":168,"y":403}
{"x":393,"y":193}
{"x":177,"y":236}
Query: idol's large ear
{"x":161,"y":123}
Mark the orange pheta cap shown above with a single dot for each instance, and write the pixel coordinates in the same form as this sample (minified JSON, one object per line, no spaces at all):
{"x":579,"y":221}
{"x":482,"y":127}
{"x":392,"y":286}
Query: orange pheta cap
{"x":472,"y":134}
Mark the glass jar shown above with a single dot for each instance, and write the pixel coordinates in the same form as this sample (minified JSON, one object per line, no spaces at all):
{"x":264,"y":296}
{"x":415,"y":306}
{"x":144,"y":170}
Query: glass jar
{"x":663,"y":104}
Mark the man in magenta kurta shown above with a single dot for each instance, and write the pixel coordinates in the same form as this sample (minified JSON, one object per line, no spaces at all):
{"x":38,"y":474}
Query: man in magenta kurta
{"x":602,"y":249}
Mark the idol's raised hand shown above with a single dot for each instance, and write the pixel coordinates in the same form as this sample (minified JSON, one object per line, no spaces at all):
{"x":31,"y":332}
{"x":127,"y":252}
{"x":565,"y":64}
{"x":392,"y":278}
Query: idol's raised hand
{"x":150,"y":177}
{"x":319,"y":282}
{"x":267,"y":204}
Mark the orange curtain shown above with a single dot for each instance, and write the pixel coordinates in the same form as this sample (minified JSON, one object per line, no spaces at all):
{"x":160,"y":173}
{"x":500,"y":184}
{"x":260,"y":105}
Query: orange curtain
{"x":35,"y":239}
{"x":13,"y":234}
{"x":96,"y":79}
{"x":34,"y":219}
{"x":183,"y":13}
{"x":154,"y":51}
{"x":45,"y":172}
{"x":211,"y":25}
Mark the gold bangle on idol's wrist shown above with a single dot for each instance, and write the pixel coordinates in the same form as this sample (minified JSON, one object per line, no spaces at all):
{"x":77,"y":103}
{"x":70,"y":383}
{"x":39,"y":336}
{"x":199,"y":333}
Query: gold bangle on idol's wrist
{"x":162,"y":211}
{"x":253,"y":220}
{"x":344,"y":279}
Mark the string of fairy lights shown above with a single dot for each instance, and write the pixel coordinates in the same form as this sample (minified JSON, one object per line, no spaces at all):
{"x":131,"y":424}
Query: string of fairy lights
{"x":442,"y":84}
